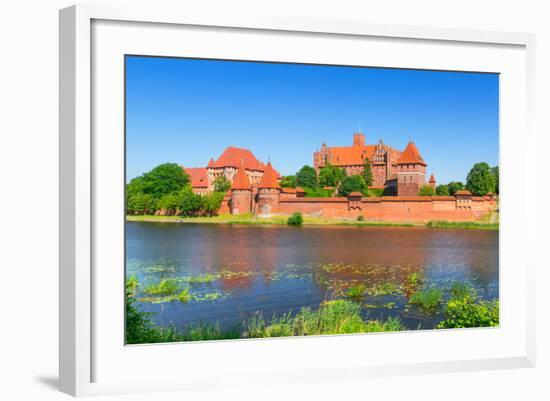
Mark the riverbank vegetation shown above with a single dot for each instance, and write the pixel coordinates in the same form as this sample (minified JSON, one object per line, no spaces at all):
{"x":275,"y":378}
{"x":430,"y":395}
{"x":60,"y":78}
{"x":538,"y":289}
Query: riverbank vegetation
{"x":459,"y":306}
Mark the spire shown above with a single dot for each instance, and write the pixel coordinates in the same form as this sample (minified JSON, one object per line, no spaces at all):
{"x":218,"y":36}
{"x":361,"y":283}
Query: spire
{"x":269,"y":179}
{"x":211,"y":163}
{"x":432,"y":178}
{"x":411,"y":155}
{"x":241,"y":181}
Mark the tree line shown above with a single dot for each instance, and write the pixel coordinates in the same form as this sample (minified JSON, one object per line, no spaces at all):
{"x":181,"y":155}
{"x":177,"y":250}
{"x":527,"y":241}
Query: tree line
{"x":167,"y":188}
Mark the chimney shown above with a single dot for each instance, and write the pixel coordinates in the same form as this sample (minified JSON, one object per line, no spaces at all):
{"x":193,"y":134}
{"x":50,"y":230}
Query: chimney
{"x":358,"y":139}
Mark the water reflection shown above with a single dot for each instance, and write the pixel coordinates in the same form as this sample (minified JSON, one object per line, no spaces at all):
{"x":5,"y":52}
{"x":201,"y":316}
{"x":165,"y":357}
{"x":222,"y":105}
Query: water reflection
{"x":277,"y":269}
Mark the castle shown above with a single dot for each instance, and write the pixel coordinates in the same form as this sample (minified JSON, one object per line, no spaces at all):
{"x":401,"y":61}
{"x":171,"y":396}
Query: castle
{"x":398,"y":173}
{"x":255,"y":186}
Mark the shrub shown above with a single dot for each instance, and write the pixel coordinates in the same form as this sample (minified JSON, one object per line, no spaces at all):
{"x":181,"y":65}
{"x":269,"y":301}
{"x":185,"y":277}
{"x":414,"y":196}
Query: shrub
{"x":168,"y":286}
{"x":221,"y":184}
{"x":470,"y":312}
{"x":356,"y":292}
{"x":360,"y":218}
{"x":296,"y":219}
{"x":427,"y":300}
{"x":426,"y":190}
{"x":353,"y":183}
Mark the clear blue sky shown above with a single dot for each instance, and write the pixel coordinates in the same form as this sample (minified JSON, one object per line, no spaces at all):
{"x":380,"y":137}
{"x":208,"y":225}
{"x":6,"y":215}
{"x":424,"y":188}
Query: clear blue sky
{"x":186,"y":111}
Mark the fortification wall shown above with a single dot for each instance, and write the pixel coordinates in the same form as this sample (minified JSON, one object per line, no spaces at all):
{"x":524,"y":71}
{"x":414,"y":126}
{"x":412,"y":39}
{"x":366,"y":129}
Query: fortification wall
{"x":391,"y":208}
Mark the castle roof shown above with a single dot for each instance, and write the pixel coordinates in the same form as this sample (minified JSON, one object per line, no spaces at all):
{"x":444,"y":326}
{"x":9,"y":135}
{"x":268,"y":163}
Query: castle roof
{"x":197,"y":175}
{"x":269,"y":179}
{"x":432,"y":178}
{"x":411,"y":155}
{"x":241,"y":181}
{"x":463,"y":192}
{"x":351,"y":155}
{"x":356,"y":193}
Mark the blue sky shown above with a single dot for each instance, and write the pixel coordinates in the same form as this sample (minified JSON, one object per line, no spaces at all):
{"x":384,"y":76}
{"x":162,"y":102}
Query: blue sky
{"x":186,"y":111}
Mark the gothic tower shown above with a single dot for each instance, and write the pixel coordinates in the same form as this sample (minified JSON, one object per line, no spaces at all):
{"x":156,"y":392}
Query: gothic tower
{"x":411,"y":171}
{"x":269,"y":192}
{"x":241,"y":193}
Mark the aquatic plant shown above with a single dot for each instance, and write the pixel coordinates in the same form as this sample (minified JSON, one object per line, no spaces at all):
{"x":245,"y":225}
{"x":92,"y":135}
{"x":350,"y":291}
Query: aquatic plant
{"x":392,"y":324}
{"x":184,"y":296}
{"x":466,"y":309}
{"x":295,"y":220}
{"x":205,"y":331}
{"x":356,"y":292}
{"x":168,"y":286}
{"x":211,"y":296}
{"x":427,"y":300}
{"x":132,"y":283}
{"x":386,"y":288}
{"x":200,"y":279}
{"x":463,"y":224}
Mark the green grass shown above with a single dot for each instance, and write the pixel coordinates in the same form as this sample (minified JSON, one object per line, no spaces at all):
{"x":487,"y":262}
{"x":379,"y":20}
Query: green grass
{"x":357,"y":292}
{"x":480,"y":225}
{"x":165,"y":287}
{"x":427,"y":300}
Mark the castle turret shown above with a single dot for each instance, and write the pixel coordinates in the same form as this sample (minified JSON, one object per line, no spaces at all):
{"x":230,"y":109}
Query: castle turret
{"x":241,"y":193}
{"x":269,"y":192}
{"x":411,"y":171}
{"x":432,"y":181}
{"x":358,"y":139}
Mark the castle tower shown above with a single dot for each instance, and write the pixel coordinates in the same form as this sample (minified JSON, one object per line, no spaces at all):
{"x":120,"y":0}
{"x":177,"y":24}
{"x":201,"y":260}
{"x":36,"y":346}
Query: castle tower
{"x":241,"y":193}
{"x":432,"y":181}
{"x":358,"y":139}
{"x":411,"y":171}
{"x":269,"y":192}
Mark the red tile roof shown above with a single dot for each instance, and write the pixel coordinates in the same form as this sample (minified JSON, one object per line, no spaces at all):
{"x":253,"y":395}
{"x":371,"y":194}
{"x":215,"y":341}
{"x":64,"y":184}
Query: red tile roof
{"x":355,"y":193}
{"x":351,"y":155}
{"x":411,"y":155}
{"x":241,"y":181}
{"x":269,"y":179}
{"x":233,"y":157}
{"x":197,"y":175}
{"x":463,"y":192}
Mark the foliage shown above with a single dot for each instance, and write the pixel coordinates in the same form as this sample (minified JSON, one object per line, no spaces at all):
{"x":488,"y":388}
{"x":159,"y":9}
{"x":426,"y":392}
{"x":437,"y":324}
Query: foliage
{"x":442,"y":190}
{"x":426,"y":190}
{"x":169,"y":203}
{"x":367,"y":172}
{"x":333,"y":317}
{"x":190,"y":204}
{"x":455,"y":186}
{"x":184,"y":295}
{"x":221,"y":184}
{"x":480,"y":179}
{"x":168,"y":286}
{"x":465,"y":309}
{"x":163,"y":179}
{"x":495,"y":171}
{"x":427,"y":300}
{"x":353,"y":183}
{"x":318,"y":192}
{"x":462,"y":224}
{"x":376,"y":192}
{"x":356,"y":292}
{"x":296,"y":219}
{"x":361,"y":218}
{"x":210,"y":203}
{"x":330,"y":176}
{"x":288,"y":181}
{"x":307,"y":177}
{"x":140,"y":203}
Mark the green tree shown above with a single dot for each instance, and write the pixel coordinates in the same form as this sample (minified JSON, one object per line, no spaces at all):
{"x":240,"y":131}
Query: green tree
{"x":330,"y":176}
{"x":169,"y":203}
{"x":426,"y":190}
{"x":367,"y":172}
{"x":190,"y":204}
{"x":480,"y":179}
{"x":164,"y":179}
{"x":353,"y":183}
{"x":140,"y":203}
{"x":288,"y":181}
{"x":455,"y":186}
{"x":495,"y":172}
{"x":211,"y":203}
{"x":222,"y":184}
{"x":307,"y":177}
{"x":442,"y":190}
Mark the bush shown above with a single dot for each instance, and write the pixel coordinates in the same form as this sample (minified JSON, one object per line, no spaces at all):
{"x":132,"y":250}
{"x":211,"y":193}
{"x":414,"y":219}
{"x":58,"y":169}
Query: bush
{"x":296,"y":219}
{"x":442,"y":190}
{"x":360,"y":218}
{"x":288,"y":181}
{"x":426,"y":190}
{"x":427,"y":300}
{"x":353,"y":183}
{"x":221,"y":184}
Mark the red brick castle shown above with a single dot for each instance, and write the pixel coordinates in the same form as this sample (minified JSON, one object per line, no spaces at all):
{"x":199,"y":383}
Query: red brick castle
{"x":399,"y":173}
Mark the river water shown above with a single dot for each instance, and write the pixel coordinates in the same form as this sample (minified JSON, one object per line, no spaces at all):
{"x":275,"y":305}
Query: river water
{"x":242,"y":269}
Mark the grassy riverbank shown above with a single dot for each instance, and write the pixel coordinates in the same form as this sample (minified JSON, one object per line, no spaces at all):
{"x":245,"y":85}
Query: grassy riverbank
{"x":248,"y":219}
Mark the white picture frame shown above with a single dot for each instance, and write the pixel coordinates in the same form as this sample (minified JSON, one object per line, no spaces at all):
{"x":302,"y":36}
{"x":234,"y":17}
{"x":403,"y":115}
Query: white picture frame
{"x":81,"y":213}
